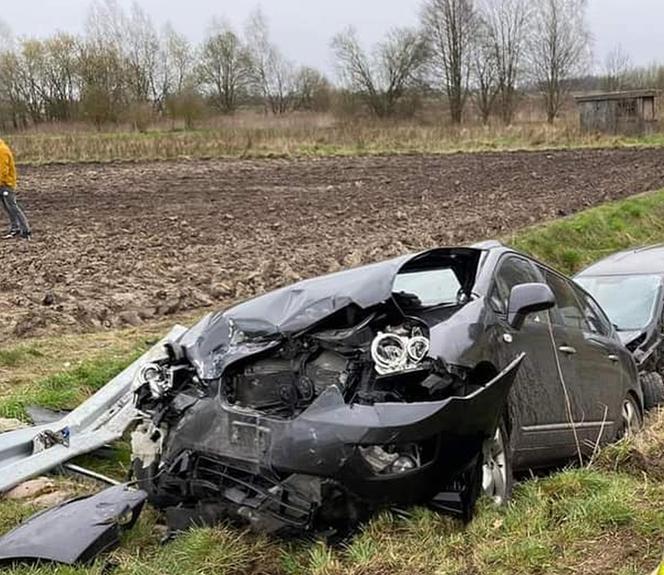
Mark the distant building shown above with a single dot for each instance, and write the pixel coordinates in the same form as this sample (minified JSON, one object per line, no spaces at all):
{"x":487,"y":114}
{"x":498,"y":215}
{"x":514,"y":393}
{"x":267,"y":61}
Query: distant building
{"x":631,"y":113}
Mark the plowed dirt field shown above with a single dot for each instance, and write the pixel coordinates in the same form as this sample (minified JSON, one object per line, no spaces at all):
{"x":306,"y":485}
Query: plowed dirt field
{"x":120,"y":244}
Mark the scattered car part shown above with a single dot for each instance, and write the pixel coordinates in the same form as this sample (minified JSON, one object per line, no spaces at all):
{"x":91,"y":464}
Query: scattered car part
{"x":100,"y":420}
{"x":83,"y":472}
{"x":41,"y":415}
{"x":77,"y":531}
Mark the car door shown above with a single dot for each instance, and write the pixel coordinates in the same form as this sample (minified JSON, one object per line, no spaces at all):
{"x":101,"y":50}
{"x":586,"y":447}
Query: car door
{"x":536,"y":405}
{"x":588,"y":369}
{"x":600,"y":370}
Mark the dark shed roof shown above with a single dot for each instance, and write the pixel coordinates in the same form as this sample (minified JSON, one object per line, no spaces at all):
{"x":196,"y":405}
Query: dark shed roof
{"x":603,"y":96}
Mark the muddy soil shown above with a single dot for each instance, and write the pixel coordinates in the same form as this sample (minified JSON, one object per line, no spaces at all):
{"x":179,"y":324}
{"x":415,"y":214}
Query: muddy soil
{"x":122,"y":244}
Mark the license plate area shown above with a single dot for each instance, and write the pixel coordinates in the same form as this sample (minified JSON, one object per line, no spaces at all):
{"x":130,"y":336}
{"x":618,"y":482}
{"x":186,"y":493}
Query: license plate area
{"x":249,"y":440}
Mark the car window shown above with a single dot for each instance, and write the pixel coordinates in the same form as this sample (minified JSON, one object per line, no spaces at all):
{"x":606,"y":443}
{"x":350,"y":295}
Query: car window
{"x":570,"y":313}
{"x":512,"y":271}
{"x":429,"y":288}
{"x":630,"y":301}
{"x":595,"y":318}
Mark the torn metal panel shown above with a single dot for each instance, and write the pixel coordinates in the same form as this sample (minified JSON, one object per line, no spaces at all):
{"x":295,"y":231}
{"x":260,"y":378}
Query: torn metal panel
{"x":253,"y":326}
{"x":102,"y":419}
{"x":77,"y":531}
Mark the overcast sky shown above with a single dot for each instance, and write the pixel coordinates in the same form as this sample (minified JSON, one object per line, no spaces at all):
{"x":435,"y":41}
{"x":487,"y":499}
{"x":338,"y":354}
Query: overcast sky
{"x":303,"y":28}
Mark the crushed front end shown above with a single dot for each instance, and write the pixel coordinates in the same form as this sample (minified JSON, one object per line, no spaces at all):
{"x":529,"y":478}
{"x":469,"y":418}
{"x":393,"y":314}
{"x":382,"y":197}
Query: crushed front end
{"x":309,"y":420}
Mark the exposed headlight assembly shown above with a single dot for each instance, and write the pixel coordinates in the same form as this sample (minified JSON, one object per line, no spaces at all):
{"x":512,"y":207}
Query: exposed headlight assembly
{"x":390,"y":461}
{"x":157,"y":378}
{"x":392,"y":352}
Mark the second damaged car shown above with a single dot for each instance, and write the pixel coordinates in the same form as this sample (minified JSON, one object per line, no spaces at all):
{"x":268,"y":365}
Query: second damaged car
{"x":398,"y":383}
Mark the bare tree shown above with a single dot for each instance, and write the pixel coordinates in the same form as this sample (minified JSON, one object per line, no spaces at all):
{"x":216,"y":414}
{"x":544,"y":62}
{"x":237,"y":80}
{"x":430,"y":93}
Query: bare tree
{"x":484,"y":72}
{"x":559,"y":48}
{"x":105,"y":23}
{"x":6,"y":37}
{"x":450,"y":27}
{"x":178,"y":62}
{"x":312,"y":90}
{"x":61,"y":77}
{"x":617,"y":67}
{"x":507,"y":25}
{"x":225,"y":67}
{"x":102,"y":64}
{"x":273,"y":76}
{"x":141,"y":48}
{"x":381,"y":80}
{"x":30,"y":78}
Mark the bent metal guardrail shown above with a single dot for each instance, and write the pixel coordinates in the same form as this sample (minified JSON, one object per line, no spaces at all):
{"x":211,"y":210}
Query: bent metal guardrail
{"x":100,"y":420}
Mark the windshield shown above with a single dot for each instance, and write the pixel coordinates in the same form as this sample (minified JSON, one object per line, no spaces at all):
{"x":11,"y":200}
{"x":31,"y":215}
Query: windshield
{"x":429,"y":288}
{"x":629,"y":301}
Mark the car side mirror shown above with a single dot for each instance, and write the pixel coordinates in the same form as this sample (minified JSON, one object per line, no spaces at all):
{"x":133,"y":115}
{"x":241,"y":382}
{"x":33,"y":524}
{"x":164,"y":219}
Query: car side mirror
{"x":526,"y":299}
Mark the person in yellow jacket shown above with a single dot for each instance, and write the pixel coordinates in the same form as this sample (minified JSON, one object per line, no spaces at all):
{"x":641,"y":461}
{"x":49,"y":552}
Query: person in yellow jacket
{"x":19,"y":226}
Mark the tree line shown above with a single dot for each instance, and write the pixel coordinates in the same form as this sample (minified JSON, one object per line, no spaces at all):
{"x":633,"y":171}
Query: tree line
{"x":124,"y":68}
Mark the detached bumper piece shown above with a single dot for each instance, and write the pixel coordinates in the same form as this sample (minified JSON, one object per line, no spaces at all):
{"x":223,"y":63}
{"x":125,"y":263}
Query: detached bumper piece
{"x":75,"y":532}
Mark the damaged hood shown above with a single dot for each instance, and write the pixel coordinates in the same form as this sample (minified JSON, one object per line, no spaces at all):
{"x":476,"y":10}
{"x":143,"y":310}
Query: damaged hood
{"x":257,"y":325}
{"x":627,"y":337}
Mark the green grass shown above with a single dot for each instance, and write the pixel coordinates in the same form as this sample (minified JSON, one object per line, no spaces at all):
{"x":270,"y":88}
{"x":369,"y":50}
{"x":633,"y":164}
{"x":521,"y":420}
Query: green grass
{"x":64,"y":390}
{"x":574,"y":242}
{"x":18,"y":355}
{"x":577,"y":521}
{"x":608,"y":519}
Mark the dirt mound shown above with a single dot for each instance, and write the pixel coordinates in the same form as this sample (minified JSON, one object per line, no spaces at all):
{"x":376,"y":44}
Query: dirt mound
{"x":121,"y":244}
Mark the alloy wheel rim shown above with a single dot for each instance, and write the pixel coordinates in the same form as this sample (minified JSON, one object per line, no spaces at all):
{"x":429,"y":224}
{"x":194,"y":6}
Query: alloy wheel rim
{"x":494,"y":469}
{"x":630,"y":419}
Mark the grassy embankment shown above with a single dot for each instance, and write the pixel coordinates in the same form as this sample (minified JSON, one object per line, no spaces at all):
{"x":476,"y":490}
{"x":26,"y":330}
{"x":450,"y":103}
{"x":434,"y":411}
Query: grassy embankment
{"x":605,"y":519}
{"x":301,"y":135}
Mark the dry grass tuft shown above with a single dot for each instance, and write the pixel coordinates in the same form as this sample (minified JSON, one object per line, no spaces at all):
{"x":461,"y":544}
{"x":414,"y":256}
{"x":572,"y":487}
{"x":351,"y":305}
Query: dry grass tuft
{"x":255,"y":136}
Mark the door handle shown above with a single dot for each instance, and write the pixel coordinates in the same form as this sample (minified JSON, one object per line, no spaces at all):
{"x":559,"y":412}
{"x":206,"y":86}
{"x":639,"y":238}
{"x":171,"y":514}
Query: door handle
{"x":567,"y":349}
{"x":614,"y":358}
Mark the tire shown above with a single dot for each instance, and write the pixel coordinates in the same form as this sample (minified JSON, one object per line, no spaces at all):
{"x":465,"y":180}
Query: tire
{"x":653,"y":390}
{"x":497,"y":476}
{"x":632,"y":421}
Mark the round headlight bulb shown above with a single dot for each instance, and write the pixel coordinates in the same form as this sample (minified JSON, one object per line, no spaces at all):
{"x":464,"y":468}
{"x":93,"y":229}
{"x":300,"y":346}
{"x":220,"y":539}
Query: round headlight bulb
{"x":403,"y":464}
{"x":153,"y":376}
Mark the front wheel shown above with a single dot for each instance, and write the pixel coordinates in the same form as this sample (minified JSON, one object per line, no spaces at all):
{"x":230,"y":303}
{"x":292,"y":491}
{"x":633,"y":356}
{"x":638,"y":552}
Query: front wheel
{"x":497,"y":479}
{"x":632,"y":421}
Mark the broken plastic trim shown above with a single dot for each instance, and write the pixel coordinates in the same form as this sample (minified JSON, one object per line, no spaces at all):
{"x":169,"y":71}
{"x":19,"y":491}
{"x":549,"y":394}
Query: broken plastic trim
{"x":77,"y":531}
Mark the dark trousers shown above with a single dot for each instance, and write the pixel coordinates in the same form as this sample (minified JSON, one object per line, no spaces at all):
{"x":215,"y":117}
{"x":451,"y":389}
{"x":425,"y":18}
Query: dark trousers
{"x":18,"y":222}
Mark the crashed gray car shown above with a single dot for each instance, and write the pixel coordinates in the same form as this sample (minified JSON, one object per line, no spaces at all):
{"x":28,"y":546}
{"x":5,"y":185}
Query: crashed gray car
{"x":420,"y":379}
{"x":630,"y":287}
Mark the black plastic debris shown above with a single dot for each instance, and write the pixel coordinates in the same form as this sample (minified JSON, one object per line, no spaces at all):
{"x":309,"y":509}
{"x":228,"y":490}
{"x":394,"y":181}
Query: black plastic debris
{"x":77,"y":531}
{"x":44,"y":416}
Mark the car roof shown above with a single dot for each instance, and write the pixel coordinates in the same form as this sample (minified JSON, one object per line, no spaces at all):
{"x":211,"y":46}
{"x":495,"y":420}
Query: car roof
{"x":645,"y":260}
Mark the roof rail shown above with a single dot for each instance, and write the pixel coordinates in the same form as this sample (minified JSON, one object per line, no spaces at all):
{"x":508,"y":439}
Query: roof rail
{"x":488,"y":245}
